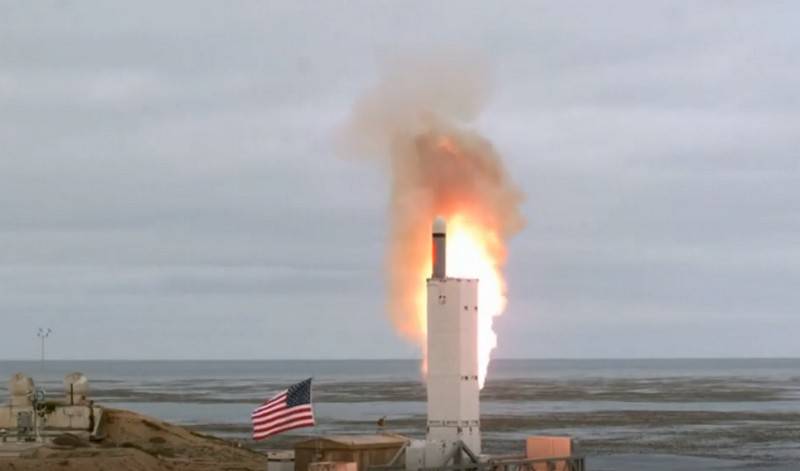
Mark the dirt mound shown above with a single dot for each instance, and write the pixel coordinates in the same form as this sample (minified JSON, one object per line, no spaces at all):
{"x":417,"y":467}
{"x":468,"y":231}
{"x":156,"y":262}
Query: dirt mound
{"x":133,"y":442}
{"x":69,"y":440}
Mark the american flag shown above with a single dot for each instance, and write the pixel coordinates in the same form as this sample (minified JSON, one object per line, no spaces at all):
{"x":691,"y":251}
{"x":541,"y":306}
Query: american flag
{"x":288,"y":410}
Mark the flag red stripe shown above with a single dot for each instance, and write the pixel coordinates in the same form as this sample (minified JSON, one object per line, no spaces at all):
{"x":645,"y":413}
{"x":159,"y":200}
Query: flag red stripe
{"x":260,"y":422}
{"x":268,"y":410}
{"x":277,"y":398}
{"x":284,"y":423}
{"x":281,"y":423}
{"x":271,"y":403}
{"x":276,"y":431}
{"x":305,"y":418}
{"x":262,"y":412}
{"x":262,"y":435}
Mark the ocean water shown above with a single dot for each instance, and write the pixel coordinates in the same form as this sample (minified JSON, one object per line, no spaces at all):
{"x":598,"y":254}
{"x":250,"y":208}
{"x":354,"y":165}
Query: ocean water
{"x":649,"y":414}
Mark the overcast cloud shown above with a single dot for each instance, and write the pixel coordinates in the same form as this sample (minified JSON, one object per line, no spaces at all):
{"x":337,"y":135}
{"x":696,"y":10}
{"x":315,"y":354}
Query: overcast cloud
{"x":169,"y":185}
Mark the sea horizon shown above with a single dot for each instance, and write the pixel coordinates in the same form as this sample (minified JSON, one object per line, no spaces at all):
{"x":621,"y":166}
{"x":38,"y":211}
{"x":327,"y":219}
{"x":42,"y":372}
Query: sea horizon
{"x":643,"y":358}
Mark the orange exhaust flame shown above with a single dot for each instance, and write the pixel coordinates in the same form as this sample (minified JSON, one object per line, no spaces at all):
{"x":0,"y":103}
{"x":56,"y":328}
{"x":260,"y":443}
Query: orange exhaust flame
{"x":414,"y":121}
{"x":472,"y":252}
{"x":475,"y":249}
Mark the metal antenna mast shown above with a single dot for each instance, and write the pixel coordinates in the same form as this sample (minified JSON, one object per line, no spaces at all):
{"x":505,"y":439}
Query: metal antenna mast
{"x":43,"y":334}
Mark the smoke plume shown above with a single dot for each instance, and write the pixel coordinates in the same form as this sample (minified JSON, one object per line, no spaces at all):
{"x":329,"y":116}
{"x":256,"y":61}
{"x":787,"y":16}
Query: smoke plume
{"x":417,"y":123}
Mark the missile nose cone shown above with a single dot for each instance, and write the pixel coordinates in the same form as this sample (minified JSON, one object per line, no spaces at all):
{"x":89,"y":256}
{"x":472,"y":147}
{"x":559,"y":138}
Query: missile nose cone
{"x":439,"y":225}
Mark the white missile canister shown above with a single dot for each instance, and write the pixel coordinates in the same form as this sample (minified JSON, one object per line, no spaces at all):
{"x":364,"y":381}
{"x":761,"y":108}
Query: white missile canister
{"x":453,"y":391}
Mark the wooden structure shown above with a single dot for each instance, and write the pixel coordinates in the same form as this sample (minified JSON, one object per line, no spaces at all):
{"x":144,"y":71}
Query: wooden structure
{"x":364,"y":450}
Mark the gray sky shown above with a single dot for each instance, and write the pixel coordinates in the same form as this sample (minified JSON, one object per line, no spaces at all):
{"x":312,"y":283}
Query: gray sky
{"x":169,"y":186}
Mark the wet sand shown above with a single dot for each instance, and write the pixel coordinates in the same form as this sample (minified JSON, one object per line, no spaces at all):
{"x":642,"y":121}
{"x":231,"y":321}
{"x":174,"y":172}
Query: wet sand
{"x":667,"y":417}
{"x":742,"y":414}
